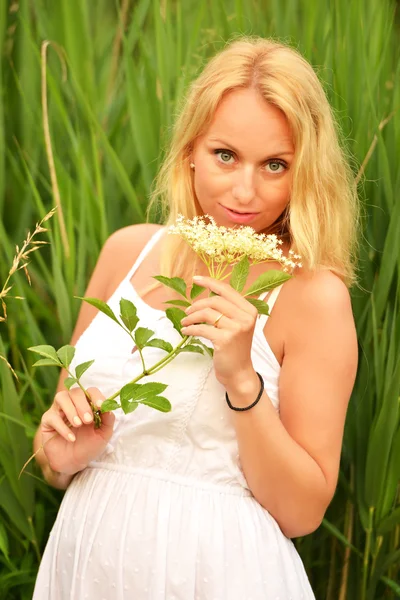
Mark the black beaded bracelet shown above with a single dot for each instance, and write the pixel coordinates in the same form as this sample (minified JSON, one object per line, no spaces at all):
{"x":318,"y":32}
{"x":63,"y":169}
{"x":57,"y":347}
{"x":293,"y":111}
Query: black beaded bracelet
{"x":255,"y":401}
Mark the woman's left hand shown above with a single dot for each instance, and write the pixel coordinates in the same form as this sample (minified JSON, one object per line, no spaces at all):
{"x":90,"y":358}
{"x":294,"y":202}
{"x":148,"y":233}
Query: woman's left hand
{"x":232,"y":336}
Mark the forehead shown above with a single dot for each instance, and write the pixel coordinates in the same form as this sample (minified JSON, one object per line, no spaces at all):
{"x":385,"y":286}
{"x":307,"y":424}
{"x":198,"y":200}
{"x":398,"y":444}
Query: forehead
{"x":247,"y":118}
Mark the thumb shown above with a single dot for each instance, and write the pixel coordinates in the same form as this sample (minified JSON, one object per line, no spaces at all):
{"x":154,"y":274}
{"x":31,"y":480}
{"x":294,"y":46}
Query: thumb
{"x":107,"y":423}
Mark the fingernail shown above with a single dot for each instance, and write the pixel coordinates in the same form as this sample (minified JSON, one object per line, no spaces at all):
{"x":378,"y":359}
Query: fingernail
{"x":197,"y":277}
{"x":71,"y":437}
{"x":77,"y":421}
{"x":99,"y":403}
{"x":87,"y":417}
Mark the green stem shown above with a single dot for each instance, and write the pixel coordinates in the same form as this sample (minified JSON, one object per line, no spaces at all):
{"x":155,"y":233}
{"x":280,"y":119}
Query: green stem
{"x":139,"y":349}
{"x":142,"y":359}
{"x":157,"y":366}
{"x":378,"y":544}
{"x":166,"y":361}
{"x":366,"y":553}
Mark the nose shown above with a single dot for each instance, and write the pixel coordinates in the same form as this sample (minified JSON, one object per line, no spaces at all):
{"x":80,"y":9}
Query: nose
{"x":243,"y":188}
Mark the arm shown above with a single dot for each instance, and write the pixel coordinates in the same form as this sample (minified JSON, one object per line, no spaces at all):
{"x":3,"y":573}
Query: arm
{"x":121,"y":249}
{"x":291,"y":461}
{"x":96,"y":288}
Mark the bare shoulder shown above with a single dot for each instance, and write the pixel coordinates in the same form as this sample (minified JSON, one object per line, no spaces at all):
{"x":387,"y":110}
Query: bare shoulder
{"x":317,"y":307}
{"x":123,"y":247}
{"x":116,"y":258}
{"x":321,"y":290}
{"x":130,"y":240}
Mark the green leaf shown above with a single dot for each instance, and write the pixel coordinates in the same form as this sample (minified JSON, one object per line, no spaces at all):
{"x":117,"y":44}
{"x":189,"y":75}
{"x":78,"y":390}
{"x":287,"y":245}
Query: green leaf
{"x":389,"y":523}
{"x":66,"y":354}
{"x":128,"y":314}
{"x":101,"y":306}
{"x":159,"y":403}
{"x":3,"y":541}
{"x":196,"y":291}
{"x":177,"y":302}
{"x":190,"y":348}
{"x":162,"y":344}
{"x":260,"y":305}
{"x":126,"y":393}
{"x":175,"y":315}
{"x":46,"y":351}
{"x":109,"y":405}
{"x":12,"y":505}
{"x":82,"y":368}
{"x":141,"y":336}
{"x":197,"y":342}
{"x":176,"y":283}
{"x":137,"y":391}
{"x":339,"y":535}
{"x":267,"y":281}
{"x":46,"y":362}
{"x":381,"y":440}
{"x":129,"y":406}
{"x":389,"y":491}
{"x":392,"y":584}
{"x":240,"y":273}
{"x":69,"y":382}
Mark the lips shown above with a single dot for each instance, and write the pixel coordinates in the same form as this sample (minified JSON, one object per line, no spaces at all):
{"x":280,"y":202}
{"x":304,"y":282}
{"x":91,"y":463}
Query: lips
{"x":237,"y":212}
{"x":237,"y":217}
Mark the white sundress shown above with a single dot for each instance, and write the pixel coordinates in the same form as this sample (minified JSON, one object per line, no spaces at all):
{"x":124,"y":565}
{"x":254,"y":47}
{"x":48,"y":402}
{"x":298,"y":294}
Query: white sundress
{"x":165,"y":511}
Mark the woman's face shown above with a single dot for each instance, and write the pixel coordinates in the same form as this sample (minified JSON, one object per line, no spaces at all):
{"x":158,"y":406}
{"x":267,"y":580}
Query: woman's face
{"x":242,"y":162}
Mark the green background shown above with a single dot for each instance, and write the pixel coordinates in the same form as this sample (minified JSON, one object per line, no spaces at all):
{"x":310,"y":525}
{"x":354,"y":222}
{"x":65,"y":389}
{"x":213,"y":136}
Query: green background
{"x":115,"y":75}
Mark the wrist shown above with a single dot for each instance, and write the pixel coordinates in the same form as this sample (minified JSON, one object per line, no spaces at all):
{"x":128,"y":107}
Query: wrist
{"x":56,"y":479}
{"x":243,"y":388}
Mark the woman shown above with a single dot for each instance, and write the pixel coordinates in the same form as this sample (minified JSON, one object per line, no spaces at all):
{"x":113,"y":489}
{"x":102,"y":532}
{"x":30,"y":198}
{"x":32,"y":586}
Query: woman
{"x":201,"y":503}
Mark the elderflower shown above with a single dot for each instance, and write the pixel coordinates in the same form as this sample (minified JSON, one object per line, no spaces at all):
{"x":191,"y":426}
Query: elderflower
{"x":221,"y":246}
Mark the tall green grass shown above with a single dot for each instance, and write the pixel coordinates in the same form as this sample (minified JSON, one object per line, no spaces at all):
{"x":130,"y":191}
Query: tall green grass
{"x":127,"y":66}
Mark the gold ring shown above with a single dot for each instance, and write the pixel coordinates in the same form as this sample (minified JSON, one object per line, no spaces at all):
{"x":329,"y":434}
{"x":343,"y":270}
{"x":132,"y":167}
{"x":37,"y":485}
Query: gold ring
{"x":217,"y":319}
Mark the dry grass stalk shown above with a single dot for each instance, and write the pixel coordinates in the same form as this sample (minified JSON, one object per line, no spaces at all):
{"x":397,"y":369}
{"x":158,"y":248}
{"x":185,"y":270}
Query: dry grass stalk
{"x":47,"y":139}
{"x":124,"y":13}
{"x":21,"y":261}
{"x":372,"y":147}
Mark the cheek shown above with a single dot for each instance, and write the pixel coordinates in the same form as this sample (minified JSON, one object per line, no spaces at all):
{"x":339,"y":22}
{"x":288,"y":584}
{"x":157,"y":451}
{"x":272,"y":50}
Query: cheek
{"x":208,"y":183}
{"x":277,"y":192}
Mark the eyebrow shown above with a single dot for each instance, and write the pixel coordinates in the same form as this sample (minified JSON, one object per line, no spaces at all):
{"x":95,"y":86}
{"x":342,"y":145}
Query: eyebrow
{"x":279,"y":153}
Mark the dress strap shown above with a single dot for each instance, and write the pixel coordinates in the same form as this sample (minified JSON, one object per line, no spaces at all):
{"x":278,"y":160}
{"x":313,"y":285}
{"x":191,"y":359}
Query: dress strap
{"x":273,"y":295}
{"x":152,"y":242}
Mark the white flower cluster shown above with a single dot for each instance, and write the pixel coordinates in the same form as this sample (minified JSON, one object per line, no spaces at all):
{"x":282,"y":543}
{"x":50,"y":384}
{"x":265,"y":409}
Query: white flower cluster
{"x":216,"y":244}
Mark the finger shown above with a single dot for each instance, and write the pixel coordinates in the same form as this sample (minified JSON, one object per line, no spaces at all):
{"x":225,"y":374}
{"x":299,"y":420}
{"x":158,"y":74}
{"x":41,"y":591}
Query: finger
{"x":80,"y":399}
{"x":224,"y":306}
{"x":52,"y":423}
{"x":215,"y":335}
{"x":222,"y":289}
{"x":96,"y":396}
{"x":209,"y":315}
{"x":107,"y":424}
{"x":82,"y":406}
{"x":63,"y":401}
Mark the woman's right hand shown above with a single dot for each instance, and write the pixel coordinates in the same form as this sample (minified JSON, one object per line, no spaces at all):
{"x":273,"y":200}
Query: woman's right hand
{"x":64,"y":454}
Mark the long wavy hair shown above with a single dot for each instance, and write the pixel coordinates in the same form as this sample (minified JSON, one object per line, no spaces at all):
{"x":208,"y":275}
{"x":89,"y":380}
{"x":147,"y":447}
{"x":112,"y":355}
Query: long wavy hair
{"x":321,"y":219}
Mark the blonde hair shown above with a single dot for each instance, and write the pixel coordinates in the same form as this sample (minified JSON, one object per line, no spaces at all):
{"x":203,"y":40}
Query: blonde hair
{"x":322,"y":215}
